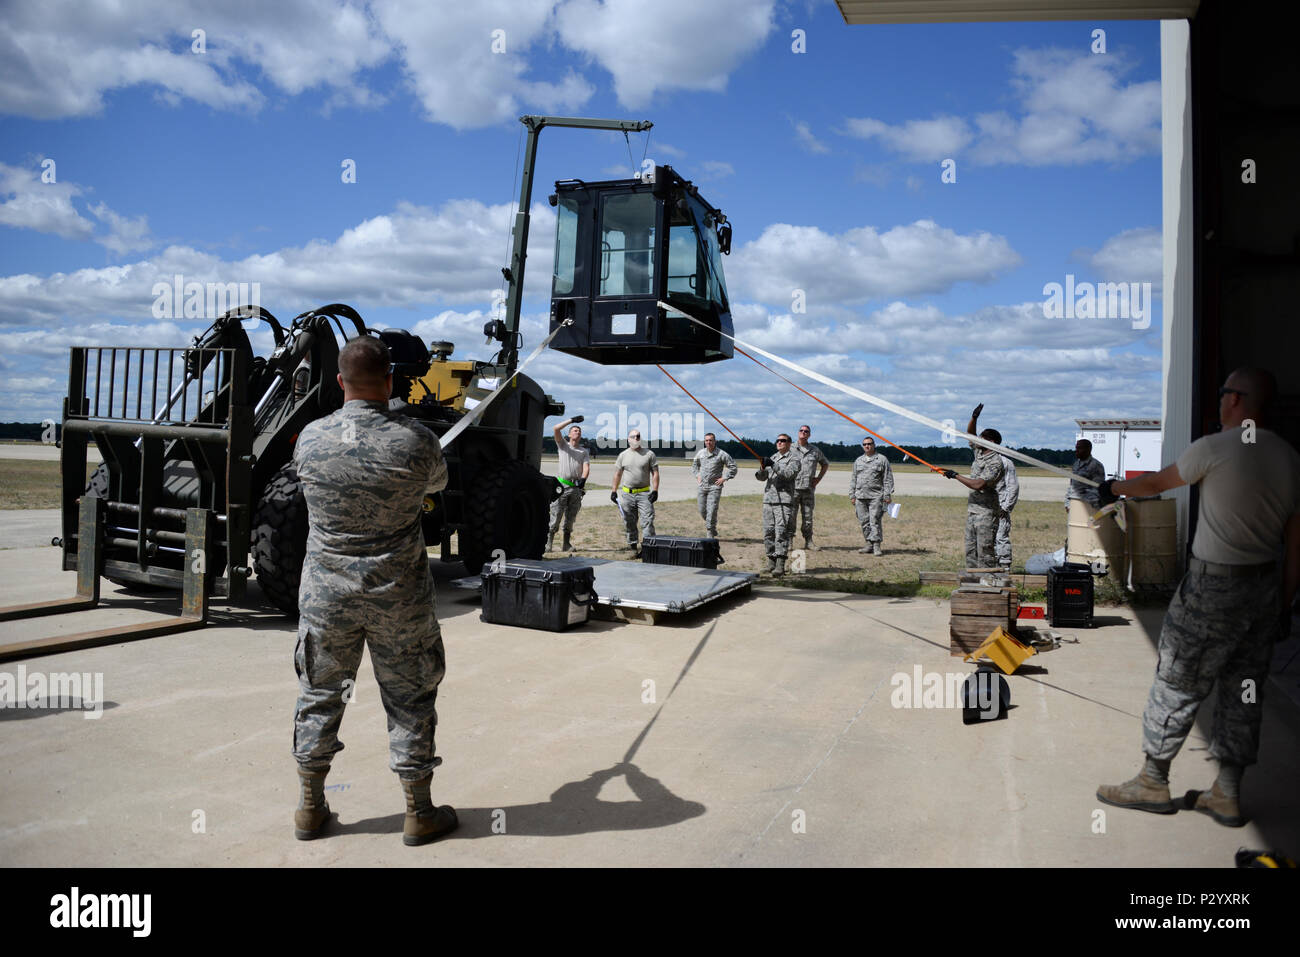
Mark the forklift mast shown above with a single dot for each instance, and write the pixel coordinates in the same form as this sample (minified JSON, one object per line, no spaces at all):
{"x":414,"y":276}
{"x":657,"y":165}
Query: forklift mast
{"x":507,"y":332}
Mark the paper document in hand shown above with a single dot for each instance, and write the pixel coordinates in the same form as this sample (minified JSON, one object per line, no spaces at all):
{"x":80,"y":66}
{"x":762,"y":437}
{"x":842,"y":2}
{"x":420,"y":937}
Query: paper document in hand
{"x":894,"y":509}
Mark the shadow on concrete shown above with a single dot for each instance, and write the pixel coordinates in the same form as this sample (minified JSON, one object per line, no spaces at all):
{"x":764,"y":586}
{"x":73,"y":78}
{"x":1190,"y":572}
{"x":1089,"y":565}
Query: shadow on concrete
{"x":12,"y":713}
{"x":574,"y":808}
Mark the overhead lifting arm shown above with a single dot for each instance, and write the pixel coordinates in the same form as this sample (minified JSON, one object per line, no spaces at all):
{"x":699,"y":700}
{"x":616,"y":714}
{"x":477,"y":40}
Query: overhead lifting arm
{"x":514,"y":273}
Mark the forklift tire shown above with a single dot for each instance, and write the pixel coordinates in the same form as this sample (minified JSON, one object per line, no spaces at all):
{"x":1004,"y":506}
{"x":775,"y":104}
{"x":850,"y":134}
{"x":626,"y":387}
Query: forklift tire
{"x":509,"y":511}
{"x":279,"y":541}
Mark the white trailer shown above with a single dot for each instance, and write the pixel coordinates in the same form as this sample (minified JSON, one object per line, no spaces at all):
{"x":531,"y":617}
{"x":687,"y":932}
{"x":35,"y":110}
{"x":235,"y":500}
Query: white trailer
{"x":1124,"y":447}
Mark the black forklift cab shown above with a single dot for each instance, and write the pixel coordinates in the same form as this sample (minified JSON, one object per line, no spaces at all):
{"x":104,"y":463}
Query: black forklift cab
{"x":626,"y":248}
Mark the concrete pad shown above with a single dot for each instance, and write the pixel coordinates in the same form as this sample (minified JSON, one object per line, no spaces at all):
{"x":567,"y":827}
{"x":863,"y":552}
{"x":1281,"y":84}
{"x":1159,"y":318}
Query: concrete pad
{"x":761,"y":731}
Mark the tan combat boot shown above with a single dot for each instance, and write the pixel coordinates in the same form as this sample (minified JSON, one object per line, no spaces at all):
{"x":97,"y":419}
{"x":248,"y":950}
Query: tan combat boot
{"x":1224,"y":809}
{"x":768,"y":565}
{"x":1142,"y":793}
{"x":779,"y":570}
{"x":567,"y":546}
{"x":424,"y":822}
{"x":875,"y":549}
{"x":313,"y":811}
{"x":550,"y":542}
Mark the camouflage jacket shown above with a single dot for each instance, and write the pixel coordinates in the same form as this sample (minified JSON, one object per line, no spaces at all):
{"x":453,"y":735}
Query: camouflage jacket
{"x":808,"y":458}
{"x":709,"y":468}
{"x":987,"y":466}
{"x":365,"y":472}
{"x":872,"y":476}
{"x":780,"y":479}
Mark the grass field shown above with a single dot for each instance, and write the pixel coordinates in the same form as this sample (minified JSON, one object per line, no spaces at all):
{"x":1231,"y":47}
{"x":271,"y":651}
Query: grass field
{"x":929,"y":535}
{"x":28,"y":483}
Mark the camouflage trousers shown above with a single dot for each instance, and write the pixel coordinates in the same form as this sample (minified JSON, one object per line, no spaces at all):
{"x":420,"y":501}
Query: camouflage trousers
{"x":565,"y":508}
{"x":637,"y":509}
{"x":804,"y":502}
{"x":1002,"y":540}
{"x":407,"y":654}
{"x":777,"y":521}
{"x":708,"y":497}
{"x":1220,"y":631}
{"x":981,"y":531}
{"x":870,"y":512}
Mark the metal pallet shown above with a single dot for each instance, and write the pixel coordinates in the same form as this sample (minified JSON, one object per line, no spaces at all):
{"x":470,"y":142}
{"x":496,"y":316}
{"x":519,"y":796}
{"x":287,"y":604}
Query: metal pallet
{"x":644,"y":592}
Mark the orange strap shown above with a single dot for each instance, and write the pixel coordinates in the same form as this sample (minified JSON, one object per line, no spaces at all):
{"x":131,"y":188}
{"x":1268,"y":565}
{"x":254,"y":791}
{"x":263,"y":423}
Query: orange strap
{"x":711,"y":415}
{"x":833,"y":409}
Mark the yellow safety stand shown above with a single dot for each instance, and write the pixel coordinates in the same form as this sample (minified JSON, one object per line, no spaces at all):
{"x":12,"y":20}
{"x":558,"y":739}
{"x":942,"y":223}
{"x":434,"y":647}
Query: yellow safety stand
{"x":1004,"y":650}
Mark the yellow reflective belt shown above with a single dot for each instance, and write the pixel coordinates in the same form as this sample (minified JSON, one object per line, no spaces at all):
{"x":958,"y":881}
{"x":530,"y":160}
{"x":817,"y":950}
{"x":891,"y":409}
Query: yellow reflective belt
{"x":634,"y":491}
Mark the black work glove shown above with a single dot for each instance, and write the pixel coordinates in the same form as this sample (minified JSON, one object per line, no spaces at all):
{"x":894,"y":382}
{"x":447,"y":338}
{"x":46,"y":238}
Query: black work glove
{"x":1104,"y":492}
{"x":978,"y":409}
{"x":654,"y":497}
{"x":575,"y":420}
{"x":949,"y":473}
{"x":613,"y":497}
{"x":766,"y":462}
{"x":581,"y":483}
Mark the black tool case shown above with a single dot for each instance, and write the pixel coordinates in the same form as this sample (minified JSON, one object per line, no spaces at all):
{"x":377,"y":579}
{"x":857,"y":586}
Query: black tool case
{"x":676,"y":550}
{"x":534,"y":593}
{"x":1070,"y":595}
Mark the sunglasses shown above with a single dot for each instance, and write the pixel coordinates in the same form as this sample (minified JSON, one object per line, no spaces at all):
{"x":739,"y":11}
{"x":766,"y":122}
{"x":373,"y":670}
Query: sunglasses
{"x":783,"y":440}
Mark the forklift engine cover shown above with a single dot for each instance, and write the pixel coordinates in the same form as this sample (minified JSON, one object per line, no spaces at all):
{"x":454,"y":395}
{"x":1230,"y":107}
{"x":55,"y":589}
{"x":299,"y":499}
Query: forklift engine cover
{"x":624,"y":246}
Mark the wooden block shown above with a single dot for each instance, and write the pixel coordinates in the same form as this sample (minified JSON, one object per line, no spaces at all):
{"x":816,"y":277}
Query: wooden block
{"x":965,"y":602}
{"x":962,"y":646}
{"x":975,"y":625}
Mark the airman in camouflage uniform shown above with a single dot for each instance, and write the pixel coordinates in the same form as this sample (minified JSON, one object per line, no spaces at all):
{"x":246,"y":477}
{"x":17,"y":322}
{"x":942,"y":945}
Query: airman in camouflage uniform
{"x":1231,"y":606}
{"x":870,"y":490}
{"x":809,"y":458}
{"x":712,"y":467}
{"x":982,"y":503}
{"x":779,"y":472}
{"x":365,"y":471}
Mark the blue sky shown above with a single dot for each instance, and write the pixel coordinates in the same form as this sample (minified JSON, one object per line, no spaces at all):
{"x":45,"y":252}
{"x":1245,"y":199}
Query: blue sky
{"x":224,"y":165}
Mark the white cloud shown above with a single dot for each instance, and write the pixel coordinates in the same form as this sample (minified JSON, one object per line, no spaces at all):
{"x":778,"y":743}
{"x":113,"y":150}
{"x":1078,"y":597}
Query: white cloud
{"x":863,"y":263}
{"x":410,"y":257}
{"x":125,"y":233}
{"x":468,"y":64}
{"x":28,"y":203}
{"x":716,"y":169}
{"x":923,"y":140}
{"x":804,"y":135}
{"x":450,"y":65}
{"x":673,"y":44}
{"x":1074,"y":108}
{"x":1134,"y":255}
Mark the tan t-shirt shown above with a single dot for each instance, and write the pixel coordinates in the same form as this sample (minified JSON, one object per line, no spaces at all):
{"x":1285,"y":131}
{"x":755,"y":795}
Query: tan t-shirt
{"x":636,"y":465}
{"x":1248,"y":491}
{"x":572,"y":461}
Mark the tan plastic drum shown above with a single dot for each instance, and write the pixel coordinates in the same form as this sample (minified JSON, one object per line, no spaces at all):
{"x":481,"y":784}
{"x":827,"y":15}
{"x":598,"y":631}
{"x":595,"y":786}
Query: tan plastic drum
{"x":1152,"y":541}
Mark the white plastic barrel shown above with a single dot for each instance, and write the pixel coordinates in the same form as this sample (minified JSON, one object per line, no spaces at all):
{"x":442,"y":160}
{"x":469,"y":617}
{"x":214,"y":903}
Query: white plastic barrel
{"x":1087,"y":545}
